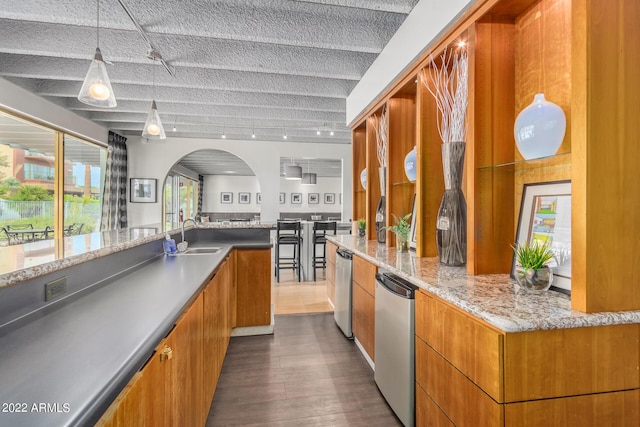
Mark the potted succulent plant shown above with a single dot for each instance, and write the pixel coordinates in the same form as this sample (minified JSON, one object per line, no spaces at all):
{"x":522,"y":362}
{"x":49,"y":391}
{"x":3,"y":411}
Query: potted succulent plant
{"x":362,"y":227}
{"x":401,"y":228}
{"x":532,"y":270}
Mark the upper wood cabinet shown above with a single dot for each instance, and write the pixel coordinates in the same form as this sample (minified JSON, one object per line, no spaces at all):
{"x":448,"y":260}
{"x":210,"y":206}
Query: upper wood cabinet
{"x":582,"y":54}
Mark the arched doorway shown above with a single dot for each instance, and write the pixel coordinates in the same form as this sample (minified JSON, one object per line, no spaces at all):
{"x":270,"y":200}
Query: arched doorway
{"x":214,"y":184}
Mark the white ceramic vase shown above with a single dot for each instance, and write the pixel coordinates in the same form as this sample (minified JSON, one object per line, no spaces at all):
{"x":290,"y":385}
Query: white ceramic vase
{"x":363,"y":178}
{"x":539,"y":128}
{"x":410,"y":165}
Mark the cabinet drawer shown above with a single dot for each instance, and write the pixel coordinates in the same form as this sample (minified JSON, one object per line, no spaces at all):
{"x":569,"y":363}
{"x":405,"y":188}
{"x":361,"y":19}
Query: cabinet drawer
{"x":594,"y":410}
{"x":473,"y":347}
{"x":427,"y":412}
{"x":364,"y":273}
{"x":331,"y":253}
{"x":463,"y":402}
{"x":570,"y":362}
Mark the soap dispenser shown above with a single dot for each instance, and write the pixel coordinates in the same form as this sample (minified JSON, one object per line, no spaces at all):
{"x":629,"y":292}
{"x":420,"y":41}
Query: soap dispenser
{"x":169,"y":245}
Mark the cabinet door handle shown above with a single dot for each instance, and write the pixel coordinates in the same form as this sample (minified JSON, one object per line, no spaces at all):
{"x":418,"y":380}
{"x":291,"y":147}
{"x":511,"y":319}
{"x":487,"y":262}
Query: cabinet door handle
{"x":166,"y":354}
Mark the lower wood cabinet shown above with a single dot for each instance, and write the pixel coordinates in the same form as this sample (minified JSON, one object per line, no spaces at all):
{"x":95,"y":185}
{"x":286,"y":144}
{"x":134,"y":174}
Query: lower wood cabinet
{"x":216,"y":328}
{"x":472,"y":374}
{"x":168,"y":390}
{"x":363,"y":304}
{"x":177,"y":384}
{"x":253,"y":291}
{"x":184,"y":385}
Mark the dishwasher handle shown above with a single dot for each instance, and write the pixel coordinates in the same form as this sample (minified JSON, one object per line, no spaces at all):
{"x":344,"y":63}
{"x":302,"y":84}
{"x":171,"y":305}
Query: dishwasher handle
{"x":343,"y":253}
{"x":397,"y":285}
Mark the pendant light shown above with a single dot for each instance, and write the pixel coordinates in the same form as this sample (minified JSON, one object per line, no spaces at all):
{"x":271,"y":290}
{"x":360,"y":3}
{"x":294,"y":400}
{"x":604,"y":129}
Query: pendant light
{"x":153,"y":126}
{"x":309,"y":178}
{"x":293,"y":171}
{"x":96,"y":89}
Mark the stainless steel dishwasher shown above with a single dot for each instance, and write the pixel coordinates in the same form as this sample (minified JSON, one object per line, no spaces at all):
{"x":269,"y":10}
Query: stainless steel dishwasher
{"x":395,"y":344}
{"x":342,"y":309}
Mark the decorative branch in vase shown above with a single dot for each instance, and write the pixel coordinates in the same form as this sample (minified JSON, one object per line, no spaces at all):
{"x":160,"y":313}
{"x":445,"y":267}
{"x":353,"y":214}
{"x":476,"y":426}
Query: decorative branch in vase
{"x":447,"y":81}
{"x":381,"y":127}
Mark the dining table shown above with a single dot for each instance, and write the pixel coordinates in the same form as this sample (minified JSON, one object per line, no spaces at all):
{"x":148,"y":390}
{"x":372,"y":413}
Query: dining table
{"x":29,"y":234}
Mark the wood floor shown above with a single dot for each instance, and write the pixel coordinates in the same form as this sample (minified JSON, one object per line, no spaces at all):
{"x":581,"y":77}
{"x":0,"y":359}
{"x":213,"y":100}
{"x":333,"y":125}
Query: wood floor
{"x":293,"y":297}
{"x":305,"y":374}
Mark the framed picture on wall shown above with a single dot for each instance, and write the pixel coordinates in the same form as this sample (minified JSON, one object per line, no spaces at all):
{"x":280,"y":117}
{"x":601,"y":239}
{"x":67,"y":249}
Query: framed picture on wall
{"x":258,"y":198}
{"x":314,"y":198}
{"x":296,"y":198}
{"x":244,"y":198}
{"x":142,"y":190}
{"x":226,"y":198}
{"x":545,"y":217}
{"x":282,"y":198}
{"x":329,"y":198}
{"x":413,"y":232}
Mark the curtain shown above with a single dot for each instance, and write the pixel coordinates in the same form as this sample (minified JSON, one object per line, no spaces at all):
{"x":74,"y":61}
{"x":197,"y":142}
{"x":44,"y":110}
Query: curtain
{"x":114,"y":196}
{"x":200,"y":193}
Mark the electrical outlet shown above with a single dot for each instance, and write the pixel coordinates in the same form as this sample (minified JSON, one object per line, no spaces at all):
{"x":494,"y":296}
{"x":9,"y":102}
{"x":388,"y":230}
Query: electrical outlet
{"x":55,"y":289}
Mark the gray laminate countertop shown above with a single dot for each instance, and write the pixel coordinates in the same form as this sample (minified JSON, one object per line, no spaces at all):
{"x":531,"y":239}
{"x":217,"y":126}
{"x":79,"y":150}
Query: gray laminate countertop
{"x":494,"y":298}
{"x":65,"y":364}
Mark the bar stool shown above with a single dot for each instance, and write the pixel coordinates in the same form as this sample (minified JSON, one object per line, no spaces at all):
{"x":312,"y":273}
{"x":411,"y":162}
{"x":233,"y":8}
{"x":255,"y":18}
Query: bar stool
{"x":320,"y":230}
{"x":288,"y":233}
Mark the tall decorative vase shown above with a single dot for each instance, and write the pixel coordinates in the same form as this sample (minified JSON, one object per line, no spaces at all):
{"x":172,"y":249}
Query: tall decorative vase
{"x":451,"y":226}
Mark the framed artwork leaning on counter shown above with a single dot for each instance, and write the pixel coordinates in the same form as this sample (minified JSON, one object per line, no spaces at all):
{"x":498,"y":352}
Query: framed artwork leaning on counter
{"x":545,"y":217}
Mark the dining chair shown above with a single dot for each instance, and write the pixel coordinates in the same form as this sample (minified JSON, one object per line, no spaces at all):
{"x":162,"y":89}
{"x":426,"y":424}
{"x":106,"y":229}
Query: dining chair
{"x":288,"y":233}
{"x":320,"y":231}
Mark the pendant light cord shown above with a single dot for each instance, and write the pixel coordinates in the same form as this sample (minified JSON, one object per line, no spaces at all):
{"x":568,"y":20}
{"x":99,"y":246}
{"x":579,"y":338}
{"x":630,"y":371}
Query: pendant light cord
{"x":153,"y":80}
{"x":98,"y":23}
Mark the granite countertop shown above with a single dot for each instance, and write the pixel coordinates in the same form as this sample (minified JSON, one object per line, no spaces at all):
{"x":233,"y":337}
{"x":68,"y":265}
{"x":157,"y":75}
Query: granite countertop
{"x":19,"y":263}
{"x":494,"y":298}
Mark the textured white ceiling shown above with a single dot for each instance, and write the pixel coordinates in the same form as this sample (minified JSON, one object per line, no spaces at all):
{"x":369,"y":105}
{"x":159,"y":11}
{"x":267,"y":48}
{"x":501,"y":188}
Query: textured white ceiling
{"x":242,"y":66}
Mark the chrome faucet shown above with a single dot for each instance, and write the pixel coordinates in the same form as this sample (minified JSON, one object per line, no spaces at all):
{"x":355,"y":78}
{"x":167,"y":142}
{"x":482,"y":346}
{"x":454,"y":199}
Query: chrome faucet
{"x":195,"y":224}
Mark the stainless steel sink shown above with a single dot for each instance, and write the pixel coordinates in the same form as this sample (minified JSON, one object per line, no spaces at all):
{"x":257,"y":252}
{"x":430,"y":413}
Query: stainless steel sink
{"x":201,"y":251}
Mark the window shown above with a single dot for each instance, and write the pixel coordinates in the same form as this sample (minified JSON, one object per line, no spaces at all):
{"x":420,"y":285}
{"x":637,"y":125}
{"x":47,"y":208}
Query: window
{"x":180,"y":200}
{"x":28,"y":166}
{"x":84,"y":166}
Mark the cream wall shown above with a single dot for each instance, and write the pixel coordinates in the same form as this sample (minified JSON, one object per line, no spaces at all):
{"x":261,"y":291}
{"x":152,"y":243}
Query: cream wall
{"x":154,"y":160}
{"x":215,"y":184}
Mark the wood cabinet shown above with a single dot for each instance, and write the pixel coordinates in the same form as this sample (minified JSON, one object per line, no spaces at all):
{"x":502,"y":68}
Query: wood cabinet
{"x":141,"y":403}
{"x":331,"y":271}
{"x":475,"y":374}
{"x":185,"y":386}
{"x":177,"y":384}
{"x":253,"y":287}
{"x":217,"y":327}
{"x":167,"y":391}
{"x":363,"y":304}
{"x":582,"y":54}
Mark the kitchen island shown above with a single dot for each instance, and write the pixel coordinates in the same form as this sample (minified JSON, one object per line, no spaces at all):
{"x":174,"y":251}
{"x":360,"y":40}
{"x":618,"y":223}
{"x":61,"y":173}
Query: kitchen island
{"x":491,"y":353}
{"x":64,"y":362}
